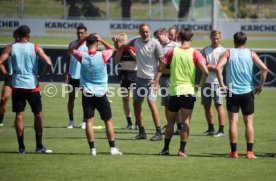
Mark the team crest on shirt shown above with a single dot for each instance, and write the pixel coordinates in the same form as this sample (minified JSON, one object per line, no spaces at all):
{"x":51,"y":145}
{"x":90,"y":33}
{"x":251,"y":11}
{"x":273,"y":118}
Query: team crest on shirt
{"x":149,"y":49}
{"x":217,"y":55}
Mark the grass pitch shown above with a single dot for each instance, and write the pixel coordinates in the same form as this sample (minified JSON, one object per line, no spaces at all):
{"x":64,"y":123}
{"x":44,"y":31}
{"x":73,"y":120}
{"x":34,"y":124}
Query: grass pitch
{"x":71,"y":160}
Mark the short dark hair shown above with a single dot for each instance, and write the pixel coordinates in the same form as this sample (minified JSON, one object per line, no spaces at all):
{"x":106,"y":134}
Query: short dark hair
{"x":91,"y":39}
{"x":214,"y":33}
{"x":186,"y":34}
{"x":82,"y":27}
{"x":15,"y":34}
{"x":160,"y":30}
{"x":23,"y":31}
{"x":144,"y":24}
{"x":240,"y":38}
{"x":173,"y":28}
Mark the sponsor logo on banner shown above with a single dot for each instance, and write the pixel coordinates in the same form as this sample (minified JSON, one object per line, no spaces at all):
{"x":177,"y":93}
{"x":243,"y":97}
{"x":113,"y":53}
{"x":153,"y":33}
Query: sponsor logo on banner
{"x":8,"y":26}
{"x":259,"y":30}
{"x":196,"y":27}
{"x":129,"y":28}
{"x":270,"y":62}
{"x":61,"y":27}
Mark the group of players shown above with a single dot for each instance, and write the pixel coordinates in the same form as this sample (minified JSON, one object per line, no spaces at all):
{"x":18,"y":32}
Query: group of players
{"x":166,"y":60}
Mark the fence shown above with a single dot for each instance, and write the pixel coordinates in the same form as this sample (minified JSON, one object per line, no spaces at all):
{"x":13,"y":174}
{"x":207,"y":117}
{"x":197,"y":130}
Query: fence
{"x":191,"y":10}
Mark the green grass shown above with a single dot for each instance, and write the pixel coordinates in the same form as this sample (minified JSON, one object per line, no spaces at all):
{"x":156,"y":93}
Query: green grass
{"x":196,"y":43}
{"x":71,"y":161}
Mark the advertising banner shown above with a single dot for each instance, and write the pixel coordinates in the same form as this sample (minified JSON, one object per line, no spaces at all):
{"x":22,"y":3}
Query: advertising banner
{"x":59,"y":59}
{"x":263,"y":30}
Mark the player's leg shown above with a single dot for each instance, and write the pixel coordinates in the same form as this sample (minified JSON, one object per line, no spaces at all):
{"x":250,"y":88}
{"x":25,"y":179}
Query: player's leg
{"x":110,"y":136}
{"x":164,"y":84}
{"x":210,"y":120}
{"x":221,"y":120}
{"x":137,"y":105}
{"x":247,"y":108}
{"x":19,"y":127}
{"x":88,"y":107}
{"x":206,"y":101}
{"x":168,"y":132}
{"x":138,"y":97}
{"x":18,"y":106}
{"x":34,"y":99}
{"x":90,"y":135}
{"x":154,"y":113}
{"x":156,"y":119}
{"x":187,"y":106}
{"x":178,"y":123}
{"x":103,"y":106}
{"x":126,"y":107}
{"x":232,"y":104}
{"x":186,"y":115}
{"x":249,"y":134}
{"x":173,"y":109}
{"x":71,"y":99}
{"x":6,"y":93}
{"x":233,"y":133}
{"x":218,"y":100}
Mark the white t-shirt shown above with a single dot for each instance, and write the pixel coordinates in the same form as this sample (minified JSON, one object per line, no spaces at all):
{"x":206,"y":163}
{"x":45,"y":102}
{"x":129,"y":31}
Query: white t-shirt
{"x":170,"y":45}
{"x":212,"y":56}
{"x":165,"y":48}
{"x":147,"y":55}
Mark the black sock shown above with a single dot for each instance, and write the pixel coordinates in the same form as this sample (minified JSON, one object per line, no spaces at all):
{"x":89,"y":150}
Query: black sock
{"x":182,"y":146}
{"x":111,"y":144}
{"x":1,"y":118}
{"x":71,"y":117}
{"x":129,"y":122}
{"x":38,"y":141}
{"x":249,"y":146}
{"x":91,"y":144}
{"x":221,"y":127}
{"x":142,"y":130}
{"x":20,"y":140}
{"x":211,"y":127}
{"x":158,"y":130}
{"x":166,"y":144}
{"x":179,"y":126}
{"x":233,"y":147}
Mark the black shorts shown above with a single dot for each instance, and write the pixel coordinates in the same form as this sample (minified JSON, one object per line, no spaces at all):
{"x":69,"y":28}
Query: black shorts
{"x":126,"y":78}
{"x":19,"y":99}
{"x":244,"y":101}
{"x":182,"y":101}
{"x":90,"y":102}
{"x":8,"y":82}
{"x":74,"y":82}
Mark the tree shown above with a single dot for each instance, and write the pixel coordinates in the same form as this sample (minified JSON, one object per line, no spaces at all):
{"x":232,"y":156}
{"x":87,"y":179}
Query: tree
{"x":84,"y":8}
{"x":126,"y":8}
{"x":184,"y":7}
{"x":74,"y":11}
{"x":89,"y":10}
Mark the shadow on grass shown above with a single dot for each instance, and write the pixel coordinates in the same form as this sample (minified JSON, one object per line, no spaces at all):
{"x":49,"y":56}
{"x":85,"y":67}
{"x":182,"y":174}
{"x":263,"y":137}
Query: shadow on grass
{"x":96,"y":138}
{"x":203,"y":155}
{"x":33,"y":153}
{"x":76,"y":137}
{"x":31,"y":126}
{"x":259,"y":155}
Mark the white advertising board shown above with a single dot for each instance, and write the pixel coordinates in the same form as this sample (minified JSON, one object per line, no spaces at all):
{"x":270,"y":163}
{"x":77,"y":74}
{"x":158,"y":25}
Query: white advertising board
{"x":107,"y":28}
